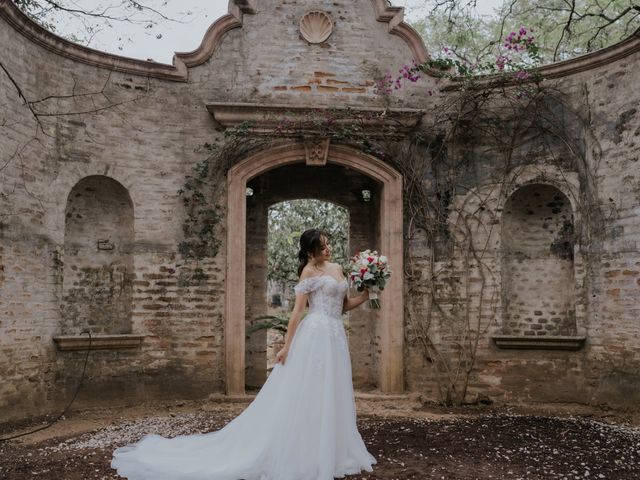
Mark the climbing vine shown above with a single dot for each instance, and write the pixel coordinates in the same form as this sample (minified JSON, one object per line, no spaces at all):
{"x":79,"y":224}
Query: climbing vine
{"x":487,"y":129}
{"x":492,"y":120}
{"x":201,"y":192}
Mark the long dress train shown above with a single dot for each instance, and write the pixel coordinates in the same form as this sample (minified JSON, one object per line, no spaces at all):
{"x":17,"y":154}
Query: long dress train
{"x":300,"y":426}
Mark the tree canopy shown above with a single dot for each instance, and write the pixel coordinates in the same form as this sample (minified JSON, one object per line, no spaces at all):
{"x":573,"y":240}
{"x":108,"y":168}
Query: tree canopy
{"x":562,"y":28}
{"x":287,"y":221}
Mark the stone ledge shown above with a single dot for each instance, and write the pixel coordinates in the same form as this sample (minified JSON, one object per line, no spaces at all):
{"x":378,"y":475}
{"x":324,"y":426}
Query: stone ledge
{"x":530,"y":342}
{"x":97,"y":342}
{"x":266,"y":118}
{"x":224,"y":398}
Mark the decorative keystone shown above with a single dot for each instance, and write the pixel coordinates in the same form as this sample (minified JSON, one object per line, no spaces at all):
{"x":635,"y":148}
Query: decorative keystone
{"x":317,"y":151}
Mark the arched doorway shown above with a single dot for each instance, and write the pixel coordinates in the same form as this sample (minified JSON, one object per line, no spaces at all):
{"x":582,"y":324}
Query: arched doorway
{"x":389,"y":331}
{"x":272,"y":272}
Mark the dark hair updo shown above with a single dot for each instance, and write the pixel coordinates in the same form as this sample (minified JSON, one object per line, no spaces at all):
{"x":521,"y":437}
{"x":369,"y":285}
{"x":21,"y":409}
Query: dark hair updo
{"x":310,"y":244}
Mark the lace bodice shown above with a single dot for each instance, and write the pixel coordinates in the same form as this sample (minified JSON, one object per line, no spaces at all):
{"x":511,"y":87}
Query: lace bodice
{"x":326,"y":294}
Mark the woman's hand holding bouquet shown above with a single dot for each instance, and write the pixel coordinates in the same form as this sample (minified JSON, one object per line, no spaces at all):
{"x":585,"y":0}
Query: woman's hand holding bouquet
{"x":371,"y":271}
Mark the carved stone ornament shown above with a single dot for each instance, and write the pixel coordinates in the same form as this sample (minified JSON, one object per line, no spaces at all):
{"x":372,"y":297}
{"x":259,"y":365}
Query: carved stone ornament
{"x":317,"y":150}
{"x":316,"y":26}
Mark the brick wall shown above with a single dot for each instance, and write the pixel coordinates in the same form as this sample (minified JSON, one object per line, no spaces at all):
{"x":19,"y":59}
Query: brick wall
{"x":150,"y":143}
{"x":98,"y":263}
{"x":537,"y":256}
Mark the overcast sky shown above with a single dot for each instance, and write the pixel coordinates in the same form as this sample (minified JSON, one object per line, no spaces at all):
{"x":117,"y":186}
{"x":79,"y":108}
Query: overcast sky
{"x":184,"y":35}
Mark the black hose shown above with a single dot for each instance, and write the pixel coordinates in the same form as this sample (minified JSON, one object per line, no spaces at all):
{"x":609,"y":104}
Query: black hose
{"x":64,"y":412}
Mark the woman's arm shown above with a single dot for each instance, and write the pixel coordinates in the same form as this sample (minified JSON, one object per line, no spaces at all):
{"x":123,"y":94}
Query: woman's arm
{"x":294,"y":320}
{"x":351,"y":303}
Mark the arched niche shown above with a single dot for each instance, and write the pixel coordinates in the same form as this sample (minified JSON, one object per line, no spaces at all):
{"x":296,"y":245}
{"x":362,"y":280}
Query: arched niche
{"x":538,"y":271}
{"x":98,"y":262}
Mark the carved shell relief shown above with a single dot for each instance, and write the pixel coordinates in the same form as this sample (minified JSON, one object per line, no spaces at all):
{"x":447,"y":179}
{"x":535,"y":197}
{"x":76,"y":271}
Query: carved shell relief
{"x":316,"y":26}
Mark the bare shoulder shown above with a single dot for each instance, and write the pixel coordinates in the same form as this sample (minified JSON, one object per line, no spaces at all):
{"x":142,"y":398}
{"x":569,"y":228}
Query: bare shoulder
{"x":337,"y":269}
{"x":307,"y":272}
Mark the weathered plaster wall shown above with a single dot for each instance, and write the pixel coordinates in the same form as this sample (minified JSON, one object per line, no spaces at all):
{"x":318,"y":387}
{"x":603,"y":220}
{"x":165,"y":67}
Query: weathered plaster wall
{"x":147,"y":133}
{"x":609,"y":97}
{"x":147,"y":143}
{"x":268,"y":60}
{"x":98,"y":265}
{"x":602,"y":190}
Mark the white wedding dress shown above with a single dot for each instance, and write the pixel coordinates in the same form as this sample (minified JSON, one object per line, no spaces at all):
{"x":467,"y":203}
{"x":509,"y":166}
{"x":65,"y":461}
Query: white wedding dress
{"x":300,"y":426}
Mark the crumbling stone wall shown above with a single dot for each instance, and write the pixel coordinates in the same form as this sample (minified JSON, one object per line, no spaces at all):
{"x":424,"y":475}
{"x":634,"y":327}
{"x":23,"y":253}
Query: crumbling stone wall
{"x":598,"y":179}
{"x":148,"y":146}
{"x":180,"y":318}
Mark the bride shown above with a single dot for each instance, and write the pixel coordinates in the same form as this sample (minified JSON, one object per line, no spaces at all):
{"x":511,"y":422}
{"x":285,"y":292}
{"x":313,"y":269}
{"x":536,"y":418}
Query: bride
{"x":302,"y":423}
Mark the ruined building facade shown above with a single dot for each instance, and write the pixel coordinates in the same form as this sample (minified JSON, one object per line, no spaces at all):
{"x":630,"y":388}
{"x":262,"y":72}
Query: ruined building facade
{"x":95,"y":148}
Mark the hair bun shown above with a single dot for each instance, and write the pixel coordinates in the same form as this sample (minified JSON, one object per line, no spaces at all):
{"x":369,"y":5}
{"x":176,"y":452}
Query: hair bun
{"x":310,"y":244}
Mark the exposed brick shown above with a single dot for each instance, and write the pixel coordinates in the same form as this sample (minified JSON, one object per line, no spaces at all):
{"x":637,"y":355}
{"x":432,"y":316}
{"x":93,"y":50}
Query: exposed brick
{"x":327,"y":89}
{"x":323,"y":74}
{"x":354,"y":90}
{"x":107,"y":256}
{"x":301,"y":88}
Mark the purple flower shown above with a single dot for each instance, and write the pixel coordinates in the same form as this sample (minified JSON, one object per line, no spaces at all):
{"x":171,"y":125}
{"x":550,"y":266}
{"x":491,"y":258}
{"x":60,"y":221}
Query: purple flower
{"x":501,"y":61}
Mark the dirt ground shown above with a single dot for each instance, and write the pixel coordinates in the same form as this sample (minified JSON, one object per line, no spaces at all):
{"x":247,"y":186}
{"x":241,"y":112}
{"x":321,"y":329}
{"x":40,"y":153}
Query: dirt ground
{"x":410,"y":441}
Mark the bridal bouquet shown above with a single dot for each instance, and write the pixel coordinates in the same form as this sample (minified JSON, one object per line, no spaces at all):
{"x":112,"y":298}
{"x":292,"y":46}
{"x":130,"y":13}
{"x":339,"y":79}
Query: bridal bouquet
{"x":370,"y":270}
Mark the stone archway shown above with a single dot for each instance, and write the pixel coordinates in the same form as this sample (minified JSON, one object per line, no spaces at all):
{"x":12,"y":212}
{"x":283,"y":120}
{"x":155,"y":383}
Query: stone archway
{"x":390,"y":327}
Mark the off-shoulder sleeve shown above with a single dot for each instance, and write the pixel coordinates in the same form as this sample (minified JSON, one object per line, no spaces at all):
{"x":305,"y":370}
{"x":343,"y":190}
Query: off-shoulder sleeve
{"x":307,"y":285}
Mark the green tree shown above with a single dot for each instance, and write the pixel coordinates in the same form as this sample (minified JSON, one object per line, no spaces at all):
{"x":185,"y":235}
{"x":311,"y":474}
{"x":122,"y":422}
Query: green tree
{"x":287,"y":221}
{"x":563,"y":28}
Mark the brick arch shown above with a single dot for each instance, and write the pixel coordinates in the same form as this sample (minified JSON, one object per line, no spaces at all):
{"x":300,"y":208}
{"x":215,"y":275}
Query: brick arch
{"x":390,"y":327}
